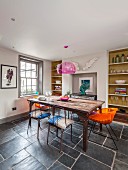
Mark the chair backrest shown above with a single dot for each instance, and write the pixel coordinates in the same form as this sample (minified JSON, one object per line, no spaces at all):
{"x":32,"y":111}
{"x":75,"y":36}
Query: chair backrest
{"x":111,"y":111}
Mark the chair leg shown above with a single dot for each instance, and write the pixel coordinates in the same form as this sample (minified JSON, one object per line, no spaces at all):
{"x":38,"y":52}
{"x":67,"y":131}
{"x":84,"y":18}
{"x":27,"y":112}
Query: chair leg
{"x":113,"y":132}
{"x":57,"y":132}
{"x":29,"y":123}
{"x":61,"y":140}
{"x":48,"y":133}
{"x":38,"y":128}
{"x":91,"y":129}
{"x":71,"y":132}
{"x":112,"y":137}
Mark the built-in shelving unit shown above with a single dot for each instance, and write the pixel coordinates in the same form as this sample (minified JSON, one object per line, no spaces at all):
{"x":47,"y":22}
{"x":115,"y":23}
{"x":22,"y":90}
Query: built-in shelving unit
{"x":56,"y":79}
{"x":118,"y":70}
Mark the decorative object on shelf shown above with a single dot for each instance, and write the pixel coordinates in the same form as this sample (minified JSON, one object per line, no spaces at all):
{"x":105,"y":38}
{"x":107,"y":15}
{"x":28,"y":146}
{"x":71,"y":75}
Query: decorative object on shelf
{"x":126,"y":58}
{"x":117,"y":59}
{"x":90,"y":63}
{"x":113,"y":59}
{"x":57,"y":87}
{"x":58,"y":82}
{"x":8,"y":76}
{"x":66,"y":68}
{"x":120,"y":91}
{"x":120,"y":81}
{"x":86,"y":85}
{"x":122,"y":58}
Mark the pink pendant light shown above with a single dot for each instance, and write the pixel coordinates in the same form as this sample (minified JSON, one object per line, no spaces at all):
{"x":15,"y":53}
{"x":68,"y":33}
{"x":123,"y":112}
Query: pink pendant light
{"x":66,"y":68}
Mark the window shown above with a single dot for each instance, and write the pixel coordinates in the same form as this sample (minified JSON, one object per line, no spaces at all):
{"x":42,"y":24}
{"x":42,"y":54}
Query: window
{"x":29,"y":76}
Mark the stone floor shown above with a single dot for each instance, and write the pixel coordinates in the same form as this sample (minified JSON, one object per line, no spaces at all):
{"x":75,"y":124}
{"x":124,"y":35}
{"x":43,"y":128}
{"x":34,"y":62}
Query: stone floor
{"x":20,"y":151}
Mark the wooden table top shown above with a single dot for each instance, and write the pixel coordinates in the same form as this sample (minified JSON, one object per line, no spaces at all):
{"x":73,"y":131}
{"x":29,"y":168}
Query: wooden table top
{"x":72,"y":104}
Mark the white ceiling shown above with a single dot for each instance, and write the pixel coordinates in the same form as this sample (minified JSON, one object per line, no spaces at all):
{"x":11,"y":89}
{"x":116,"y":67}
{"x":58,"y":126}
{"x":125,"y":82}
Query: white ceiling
{"x":42,"y":27}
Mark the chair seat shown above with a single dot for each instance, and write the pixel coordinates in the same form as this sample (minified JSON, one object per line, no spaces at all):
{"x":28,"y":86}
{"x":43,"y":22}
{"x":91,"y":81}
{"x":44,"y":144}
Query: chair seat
{"x":39,"y":115}
{"x":101,"y":118}
{"x":60,"y":122}
{"x":42,"y":107}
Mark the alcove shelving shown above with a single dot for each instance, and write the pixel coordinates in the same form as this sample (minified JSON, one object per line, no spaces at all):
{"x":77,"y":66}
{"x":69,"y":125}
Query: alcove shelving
{"x":118,"y":93}
{"x":56,"y":79}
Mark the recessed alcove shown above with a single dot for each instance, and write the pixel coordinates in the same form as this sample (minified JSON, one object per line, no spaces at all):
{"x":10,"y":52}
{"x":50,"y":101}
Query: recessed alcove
{"x":76,"y":82}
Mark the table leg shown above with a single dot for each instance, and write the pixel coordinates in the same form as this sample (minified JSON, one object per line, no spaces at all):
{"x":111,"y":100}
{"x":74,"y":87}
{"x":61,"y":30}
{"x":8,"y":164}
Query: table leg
{"x":85,"y":133}
{"x":30,"y":109}
{"x":100,"y":123}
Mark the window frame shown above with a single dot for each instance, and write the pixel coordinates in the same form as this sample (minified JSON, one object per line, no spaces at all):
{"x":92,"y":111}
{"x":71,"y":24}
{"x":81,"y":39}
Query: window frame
{"x":39,"y":63}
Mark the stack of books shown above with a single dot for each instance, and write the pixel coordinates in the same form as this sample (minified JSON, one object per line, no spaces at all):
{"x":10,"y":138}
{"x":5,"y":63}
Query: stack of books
{"x":120,"y":91}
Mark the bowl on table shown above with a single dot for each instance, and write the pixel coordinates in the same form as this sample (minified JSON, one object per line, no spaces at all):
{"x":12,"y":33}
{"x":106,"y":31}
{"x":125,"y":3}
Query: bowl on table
{"x":64,"y":98}
{"x":120,"y":81}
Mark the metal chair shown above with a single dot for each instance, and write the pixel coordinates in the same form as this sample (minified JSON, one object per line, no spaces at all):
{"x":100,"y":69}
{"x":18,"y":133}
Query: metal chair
{"x":60,"y":123}
{"x":38,"y":116}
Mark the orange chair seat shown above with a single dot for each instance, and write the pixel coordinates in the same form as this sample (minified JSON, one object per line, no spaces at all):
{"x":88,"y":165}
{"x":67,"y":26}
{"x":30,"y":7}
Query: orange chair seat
{"x":105,"y":118}
{"x":42,"y":107}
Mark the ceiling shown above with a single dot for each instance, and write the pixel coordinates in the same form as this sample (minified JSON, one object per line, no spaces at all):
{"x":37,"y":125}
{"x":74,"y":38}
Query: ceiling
{"x":42,"y":27}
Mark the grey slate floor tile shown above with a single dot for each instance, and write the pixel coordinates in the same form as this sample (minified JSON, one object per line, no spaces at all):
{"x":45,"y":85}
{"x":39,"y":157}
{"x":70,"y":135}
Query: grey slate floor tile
{"x":98,"y":152}
{"x":29,"y":163}
{"x":68,"y":150}
{"x":6,"y":126}
{"x":122,"y":157}
{"x":7,"y":135}
{"x":121,"y":144}
{"x":13,"y":146}
{"x":44,"y":153}
{"x":13,"y":160}
{"x":118,"y":165}
{"x":58,"y":166}
{"x":66,"y":160}
{"x":85,"y":162}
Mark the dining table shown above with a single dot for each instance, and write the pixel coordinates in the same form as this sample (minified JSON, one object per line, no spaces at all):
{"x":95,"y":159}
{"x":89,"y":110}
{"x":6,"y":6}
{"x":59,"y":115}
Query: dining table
{"x":83,"y":108}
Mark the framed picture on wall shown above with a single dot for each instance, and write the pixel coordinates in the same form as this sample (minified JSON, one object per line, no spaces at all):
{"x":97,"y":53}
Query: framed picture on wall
{"x":8,"y":76}
{"x":87,"y":80}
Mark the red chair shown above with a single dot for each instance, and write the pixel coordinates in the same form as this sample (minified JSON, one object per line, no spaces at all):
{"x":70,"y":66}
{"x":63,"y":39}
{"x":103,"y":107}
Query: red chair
{"x":105,"y":117}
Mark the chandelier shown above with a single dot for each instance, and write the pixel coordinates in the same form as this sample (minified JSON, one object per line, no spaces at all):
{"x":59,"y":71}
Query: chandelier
{"x":66,"y":68}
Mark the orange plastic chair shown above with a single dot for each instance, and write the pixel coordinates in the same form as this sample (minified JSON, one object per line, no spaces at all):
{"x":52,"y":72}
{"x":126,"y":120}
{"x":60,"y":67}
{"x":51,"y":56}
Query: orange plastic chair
{"x":105,"y":117}
{"x":41,"y":107}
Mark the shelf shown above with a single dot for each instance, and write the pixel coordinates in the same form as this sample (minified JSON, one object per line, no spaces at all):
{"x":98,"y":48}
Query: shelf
{"x":118,"y":105}
{"x":114,"y":74}
{"x":118,"y":95}
{"x":118,"y":84}
{"x":56,"y":76}
{"x":56,"y":90}
{"x":56,"y":83}
{"x":118,"y":63}
{"x":54,"y":70}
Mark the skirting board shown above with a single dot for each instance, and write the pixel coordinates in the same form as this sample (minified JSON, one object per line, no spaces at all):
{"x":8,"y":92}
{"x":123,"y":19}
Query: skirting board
{"x":11,"y":118}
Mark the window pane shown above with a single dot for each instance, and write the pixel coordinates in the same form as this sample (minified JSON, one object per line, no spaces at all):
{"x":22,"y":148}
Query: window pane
{"x":33,"y":67}
{"x":34,"y":89}
{"x":23,"y":82}
{"x":34,"y":83}
{"x":29,"y":83}
{"x":28,"y":90}
{"x":22,"y":73}
{"x":34,"y":74}
{"x":22,"y":65}
{"x":28,"y":73}
{"x":28,"y":66}
{"x":23,"y":90}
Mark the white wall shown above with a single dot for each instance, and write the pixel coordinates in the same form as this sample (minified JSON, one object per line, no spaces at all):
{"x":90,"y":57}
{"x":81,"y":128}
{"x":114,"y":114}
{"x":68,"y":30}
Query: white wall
{"x":9,"y":97}
{"x":100,"y":66}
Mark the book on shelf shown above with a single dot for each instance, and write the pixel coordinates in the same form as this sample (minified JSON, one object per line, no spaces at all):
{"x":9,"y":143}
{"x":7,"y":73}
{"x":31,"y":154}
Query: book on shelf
{"x":120,"y":91}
